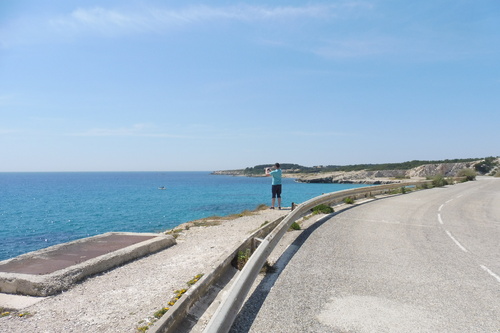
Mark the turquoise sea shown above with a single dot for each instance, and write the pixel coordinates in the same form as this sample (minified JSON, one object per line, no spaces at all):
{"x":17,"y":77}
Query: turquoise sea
{"x":38,"y":210}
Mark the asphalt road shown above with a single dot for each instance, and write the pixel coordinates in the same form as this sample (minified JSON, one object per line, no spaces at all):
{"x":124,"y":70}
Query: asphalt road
{"x":427,"y":261}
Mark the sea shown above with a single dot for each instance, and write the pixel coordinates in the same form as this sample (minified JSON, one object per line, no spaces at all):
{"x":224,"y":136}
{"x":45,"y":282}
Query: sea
{"x":38,"y":210}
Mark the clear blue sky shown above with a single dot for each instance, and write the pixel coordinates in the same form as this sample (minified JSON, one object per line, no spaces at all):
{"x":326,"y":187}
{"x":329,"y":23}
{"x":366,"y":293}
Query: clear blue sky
{"x":180,"y":85}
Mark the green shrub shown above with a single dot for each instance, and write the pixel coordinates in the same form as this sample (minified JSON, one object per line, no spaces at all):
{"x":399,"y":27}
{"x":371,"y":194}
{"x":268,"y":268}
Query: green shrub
{"x":349,"y":200}
{"x":469,"y":174}
{"x":295,"y":226}
{"x":322,"y":209}
{"x":242,"y":258}
{"x":423,"y":186}
{"x":486,"y":165}
{"x":439,"y":181}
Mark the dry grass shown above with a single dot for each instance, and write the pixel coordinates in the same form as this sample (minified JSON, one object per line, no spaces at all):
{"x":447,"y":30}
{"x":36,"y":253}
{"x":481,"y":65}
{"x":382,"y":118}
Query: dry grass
{"x":214,"y":220}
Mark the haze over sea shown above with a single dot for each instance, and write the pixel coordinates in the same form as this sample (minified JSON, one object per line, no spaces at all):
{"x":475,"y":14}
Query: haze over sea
{"x":38,"y":210}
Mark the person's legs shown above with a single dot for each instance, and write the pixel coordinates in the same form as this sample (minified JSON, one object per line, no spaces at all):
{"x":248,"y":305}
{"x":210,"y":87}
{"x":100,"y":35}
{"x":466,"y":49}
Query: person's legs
{"x":275,"y":194}
{"x":278,"y":195}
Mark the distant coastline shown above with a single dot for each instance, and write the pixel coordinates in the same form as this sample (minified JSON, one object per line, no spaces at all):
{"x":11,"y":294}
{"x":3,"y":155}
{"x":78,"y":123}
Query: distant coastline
{"x":374,"y":174}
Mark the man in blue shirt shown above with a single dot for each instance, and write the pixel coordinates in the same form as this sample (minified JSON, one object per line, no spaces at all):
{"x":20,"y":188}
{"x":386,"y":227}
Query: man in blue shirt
{"x":276,"y":184}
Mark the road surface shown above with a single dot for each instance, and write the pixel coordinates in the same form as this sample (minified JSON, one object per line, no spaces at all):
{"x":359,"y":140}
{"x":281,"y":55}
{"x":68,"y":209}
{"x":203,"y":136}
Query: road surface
{"x":427,"y":261}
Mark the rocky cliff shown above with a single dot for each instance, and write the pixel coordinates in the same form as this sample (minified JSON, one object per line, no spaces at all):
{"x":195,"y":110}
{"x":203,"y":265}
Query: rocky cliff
{"x":229,"y":172}
{"x":375,"y":177}
{"x":387,"y":176}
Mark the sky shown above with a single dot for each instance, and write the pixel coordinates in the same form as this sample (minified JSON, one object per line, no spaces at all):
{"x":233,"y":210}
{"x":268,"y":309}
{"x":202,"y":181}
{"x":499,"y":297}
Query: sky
{"x":214,"y":85}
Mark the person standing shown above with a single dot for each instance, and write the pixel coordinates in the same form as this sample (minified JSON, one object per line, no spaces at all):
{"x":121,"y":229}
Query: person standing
{"x":276,"y":184}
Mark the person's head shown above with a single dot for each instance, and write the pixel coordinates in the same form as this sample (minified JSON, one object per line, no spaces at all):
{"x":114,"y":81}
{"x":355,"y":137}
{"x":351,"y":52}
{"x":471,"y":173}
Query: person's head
{"x":277,"y":165}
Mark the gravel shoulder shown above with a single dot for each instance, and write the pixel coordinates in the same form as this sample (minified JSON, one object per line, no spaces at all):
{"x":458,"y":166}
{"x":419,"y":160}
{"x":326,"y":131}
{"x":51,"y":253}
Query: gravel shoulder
{"x":120,"y":300}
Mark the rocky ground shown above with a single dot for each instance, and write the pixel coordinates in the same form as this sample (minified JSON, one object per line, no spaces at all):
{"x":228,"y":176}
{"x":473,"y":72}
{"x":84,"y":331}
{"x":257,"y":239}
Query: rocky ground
{"x":125,"y":298}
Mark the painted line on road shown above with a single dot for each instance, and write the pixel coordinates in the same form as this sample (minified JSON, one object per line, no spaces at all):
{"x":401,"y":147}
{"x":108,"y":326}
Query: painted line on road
{"x":440,"y":207}
{"x":490,"y":272}
{"x":439,"y":219}
{"x":449,"y":201}
{"x":456,"y":242}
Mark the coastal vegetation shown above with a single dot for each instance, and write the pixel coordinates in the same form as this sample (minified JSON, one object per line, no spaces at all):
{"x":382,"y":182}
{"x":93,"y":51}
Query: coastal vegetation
{"x":242,"y":258}
{"x":468,"y":174}
{"x":177,"y":295}
{"x":486,"y":165}
{"x":213,"y":220}
{"x":4,"y":313}
{"x":453,"y":169}
{"x":439,"y":181}
{"x":349,"y":200}
{"x":322,"y":209}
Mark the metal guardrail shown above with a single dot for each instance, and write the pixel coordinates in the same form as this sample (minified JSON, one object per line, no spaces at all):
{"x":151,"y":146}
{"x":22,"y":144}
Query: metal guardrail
{"x":225,"y":315}
{"x":178,"y":313}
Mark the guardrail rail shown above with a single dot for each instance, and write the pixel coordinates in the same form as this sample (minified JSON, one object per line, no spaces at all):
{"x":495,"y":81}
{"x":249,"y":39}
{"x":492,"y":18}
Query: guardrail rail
{"x":225,"y":314}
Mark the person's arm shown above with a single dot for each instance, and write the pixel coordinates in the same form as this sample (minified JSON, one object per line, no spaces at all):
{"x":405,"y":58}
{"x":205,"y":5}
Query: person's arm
{"x":268,"y":172}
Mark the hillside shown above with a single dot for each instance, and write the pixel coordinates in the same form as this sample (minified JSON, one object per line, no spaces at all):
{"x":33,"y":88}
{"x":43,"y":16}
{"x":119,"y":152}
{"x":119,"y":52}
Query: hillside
{"x":374,"y":173}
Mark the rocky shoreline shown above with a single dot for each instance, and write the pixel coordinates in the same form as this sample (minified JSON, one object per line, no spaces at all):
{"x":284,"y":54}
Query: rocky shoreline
{"x":378,"y":177}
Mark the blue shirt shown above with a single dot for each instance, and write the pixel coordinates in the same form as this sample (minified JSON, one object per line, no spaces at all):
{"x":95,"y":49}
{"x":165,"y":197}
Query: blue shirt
{"x":276,"y":174}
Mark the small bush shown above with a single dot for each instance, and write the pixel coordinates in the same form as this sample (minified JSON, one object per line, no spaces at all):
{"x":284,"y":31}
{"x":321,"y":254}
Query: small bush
{"x":174,"y":232}
{"x":295,"y":226}
{"x":158,"y":314}
{"x":485,"y":166}
{"x":261,"y":207}
{"x":194,"y":280}
{"x":349,"y":200}
{"x":439,"y":181}
{"x":242,"y":258}
{"x":423,"y":186}
{"x":322,"y":209}
{"x":469,"y":174}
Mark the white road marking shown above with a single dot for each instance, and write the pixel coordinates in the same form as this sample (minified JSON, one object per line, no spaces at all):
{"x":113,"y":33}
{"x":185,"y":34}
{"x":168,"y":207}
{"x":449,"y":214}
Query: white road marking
{"x":456,"y":242}
{"x":491,"y":273}
{"x":486,"y":269}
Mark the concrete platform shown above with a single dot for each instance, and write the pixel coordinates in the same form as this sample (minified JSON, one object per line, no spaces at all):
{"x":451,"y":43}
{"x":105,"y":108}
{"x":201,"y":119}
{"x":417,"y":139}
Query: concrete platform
{"x":54,"y":269}
{"x":9,"y":302}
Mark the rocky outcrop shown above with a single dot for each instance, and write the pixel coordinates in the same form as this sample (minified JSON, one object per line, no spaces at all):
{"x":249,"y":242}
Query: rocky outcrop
{"x":356,"y":177}
{"x":445,"y":169}
{"x":371,"y":177}
{"x":387,"y":176}
{"x":229,"y":172}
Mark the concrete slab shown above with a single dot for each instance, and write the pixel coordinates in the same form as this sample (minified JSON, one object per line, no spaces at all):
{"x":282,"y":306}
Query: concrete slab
{"x":10,"y":302}
{"x":56,"y":268}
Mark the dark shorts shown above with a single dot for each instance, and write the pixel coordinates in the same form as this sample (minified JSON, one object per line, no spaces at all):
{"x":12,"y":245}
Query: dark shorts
{"x":276,"y":191}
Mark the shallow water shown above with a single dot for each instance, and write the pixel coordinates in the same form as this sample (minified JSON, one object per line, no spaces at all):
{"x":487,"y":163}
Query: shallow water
{"x":38,"y":210}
